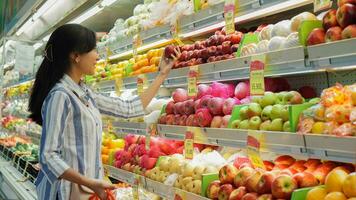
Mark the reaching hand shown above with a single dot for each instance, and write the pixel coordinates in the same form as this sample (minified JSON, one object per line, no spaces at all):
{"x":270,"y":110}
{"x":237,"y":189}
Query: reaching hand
{"x":99,"y":188}
{"x":166,"y":64}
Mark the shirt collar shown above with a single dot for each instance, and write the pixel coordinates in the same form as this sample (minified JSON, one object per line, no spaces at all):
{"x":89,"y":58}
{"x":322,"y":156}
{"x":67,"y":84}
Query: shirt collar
{"x":71,"y":85}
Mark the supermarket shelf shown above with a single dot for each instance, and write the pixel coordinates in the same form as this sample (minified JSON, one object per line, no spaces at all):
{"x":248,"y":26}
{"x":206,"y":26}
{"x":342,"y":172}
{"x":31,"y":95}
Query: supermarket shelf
{"x":203,"y":22}
{"x":162,"y":190}
{"x":138,"y":128}
{"x":24,"y":189}
{"x":331,"y":147}
{"x":316,"y":146}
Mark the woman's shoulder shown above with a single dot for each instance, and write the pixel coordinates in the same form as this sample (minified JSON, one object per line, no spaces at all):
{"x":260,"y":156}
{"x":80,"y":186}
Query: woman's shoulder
{"x":58,"y":91}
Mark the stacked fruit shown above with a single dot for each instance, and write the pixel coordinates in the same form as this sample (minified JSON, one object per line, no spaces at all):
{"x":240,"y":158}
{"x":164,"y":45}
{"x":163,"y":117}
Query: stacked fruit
{"x":12,"y":141}
{"x":212,"y":106}
{"x":10,"y":122}
{"x":18,"y":90}
{"x":110,"y":145}
{"x":146,"y":63}
{"x":279,"y":180}
{"x":269,"y":113}
{"x":217,"y":47}
{"x":335,"y":114}
{"x":340,"y":184}
{"x":337,"y":24}
{"x":137,"y":159}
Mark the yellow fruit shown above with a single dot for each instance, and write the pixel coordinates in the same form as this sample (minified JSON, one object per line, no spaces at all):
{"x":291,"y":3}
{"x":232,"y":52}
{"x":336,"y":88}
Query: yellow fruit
{"x":349,"y":186}
{"x":318,"y":128}
{"x":316,"y":193}
{"x":335,"y":196}
{"x":334,"y":180}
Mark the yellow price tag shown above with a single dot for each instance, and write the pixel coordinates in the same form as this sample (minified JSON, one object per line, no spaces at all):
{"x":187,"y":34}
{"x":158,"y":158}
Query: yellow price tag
{"x":199,"y":134}
{"x":189,"y":145}
{"x":136,"y":43}
{"x":257,"y":79}
{"x":141,"y":79}
{"x":118,"y":86}
{"x":320,"y":5}
{"x":193,"y":80}
{"x":175,"y":33}
{"x":229,"y":15}
{"x":254,"y":142}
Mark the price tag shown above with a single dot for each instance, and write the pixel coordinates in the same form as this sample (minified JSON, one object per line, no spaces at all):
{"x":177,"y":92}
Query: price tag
{"x":193,"y":80}
{"x":189,"y":145}
{"x":197,"y":5}
{"x":136,"y":43}
{"x":141,"y":79}
{"x":320,"y":5}
{"x":229,"y":14}
{"x":255,"y":140}
{"x":118,"y":86}
{"x":257,"y":79}
{"x":199,"y":134}
{"x":175,"y":33}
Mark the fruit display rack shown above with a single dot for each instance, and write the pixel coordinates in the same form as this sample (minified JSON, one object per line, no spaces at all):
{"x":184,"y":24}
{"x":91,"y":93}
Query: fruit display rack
{"x":161,"y":189}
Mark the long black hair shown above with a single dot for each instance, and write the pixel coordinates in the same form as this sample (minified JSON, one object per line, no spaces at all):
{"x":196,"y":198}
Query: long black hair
{"x":67,"y":39}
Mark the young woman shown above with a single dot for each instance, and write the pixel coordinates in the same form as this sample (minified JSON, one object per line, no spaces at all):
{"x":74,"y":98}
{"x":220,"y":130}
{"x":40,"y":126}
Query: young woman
{"x":70,"y":114}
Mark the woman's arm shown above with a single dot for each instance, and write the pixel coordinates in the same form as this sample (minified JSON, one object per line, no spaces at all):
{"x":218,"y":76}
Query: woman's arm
{"x":118,"y":107}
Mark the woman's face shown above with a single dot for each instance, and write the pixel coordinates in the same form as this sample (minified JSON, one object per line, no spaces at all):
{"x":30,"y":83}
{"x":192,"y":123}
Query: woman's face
{"x":87,"y":62}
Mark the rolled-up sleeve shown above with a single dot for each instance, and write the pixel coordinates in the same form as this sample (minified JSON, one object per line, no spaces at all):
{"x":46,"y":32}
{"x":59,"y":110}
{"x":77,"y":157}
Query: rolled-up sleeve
{"x":55,"y":112}
{"x":119,"y":107}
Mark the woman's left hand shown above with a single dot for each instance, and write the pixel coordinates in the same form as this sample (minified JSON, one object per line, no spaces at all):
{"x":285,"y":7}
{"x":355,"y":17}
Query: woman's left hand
{"x":166,"y":64}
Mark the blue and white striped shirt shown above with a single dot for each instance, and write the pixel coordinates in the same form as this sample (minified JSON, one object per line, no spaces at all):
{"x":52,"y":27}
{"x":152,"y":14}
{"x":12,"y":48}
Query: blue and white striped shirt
{"x":71,"y":134}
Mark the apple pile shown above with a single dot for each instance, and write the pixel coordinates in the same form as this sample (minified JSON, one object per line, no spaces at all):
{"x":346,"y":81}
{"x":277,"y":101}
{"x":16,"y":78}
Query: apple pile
{"x":187,"y":176}
{"x":135,"y":158}
{"x":337,"y":24}
{"x":335,"y":114}
{"x":217,"y":47}
{"x":241,"y":181}
{"x":213,"y":105}
{"x":340,"y":183}
{"x":268,"y":113}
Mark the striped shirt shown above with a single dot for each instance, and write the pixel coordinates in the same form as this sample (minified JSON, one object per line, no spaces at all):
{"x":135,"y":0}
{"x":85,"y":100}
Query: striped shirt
{"x":71,"y":134}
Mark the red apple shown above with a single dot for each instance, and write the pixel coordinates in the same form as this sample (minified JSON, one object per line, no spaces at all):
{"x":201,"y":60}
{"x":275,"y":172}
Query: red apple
{"x":346,"y":15}
{"x":203,"y":117}
{"x":180,"y":95}
{"x":188,"y":107}
{"x":221,"y":38}
{"x":252,"y":181}
{"x":284,"y":159}
{"x":204,"y":53}
{"x":212,"y":191}
{"x":170,"y":107}
{"x":329,"y":19}
{"x":305,"y":179}
{"x":169,"y":51}
{"x":225,"y":121}
{"x":203,"y":90}
{"x":283,"y":186}
{"x":183,"y":120}
{"x":215,"y":106}
{"x":316,"y":36}
{"x":163,"y":118}
{"x":265,"y":197}
{"x":227,"y":174}
{"x":298,"y":166}
{"x":236,"y":37}
{"x":238,"y":193}
{"x":342,"y":2}
{"x":183,"y":56}
{"x":250,"y":196}
{"x":225,"y":191}
{"x":268,"y":165}
{"x":242,"y":175}
{"x":349,"y":32}
{"x":190,"y":120}
{"x":323,"y":170}
{"x":307,"y":92}
{"x":333,"y":34}
{"x":264,"y":185}
{"x":229,"y":104}
{"x":170,"y":119}
{"x":216,"y":122}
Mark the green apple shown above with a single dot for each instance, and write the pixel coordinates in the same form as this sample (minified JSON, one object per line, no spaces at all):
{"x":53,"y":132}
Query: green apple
{"x":314,"y":100}
{"x":280,"y":97}
{"x":256,"y":99}
{"x":276,"y":125}
{"x":285,"y":113}
{"x":244,"y":124}
{"x":293,"y":97}
{"x":243,"y":113}
{"x":265,"y":126}
{"x":254,"y":109}
{"x":266,"y":113}
{"x":235,"y":124}
{"x":286,"y":126}
{"x":268,"y":99}
{"x":254,"y":123}
{"x":276,"y":111}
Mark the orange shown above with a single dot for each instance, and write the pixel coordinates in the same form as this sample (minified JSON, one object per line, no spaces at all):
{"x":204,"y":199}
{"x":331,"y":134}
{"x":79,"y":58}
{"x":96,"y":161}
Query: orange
{"x":317,"y":193}
{"x":335,"y":196}
{"x":334,"y":180}
{"x":349,"y":186}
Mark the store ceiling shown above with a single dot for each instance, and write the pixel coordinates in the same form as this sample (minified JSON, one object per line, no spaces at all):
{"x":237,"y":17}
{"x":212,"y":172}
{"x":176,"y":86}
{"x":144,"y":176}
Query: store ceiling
{"x":105,"y":19}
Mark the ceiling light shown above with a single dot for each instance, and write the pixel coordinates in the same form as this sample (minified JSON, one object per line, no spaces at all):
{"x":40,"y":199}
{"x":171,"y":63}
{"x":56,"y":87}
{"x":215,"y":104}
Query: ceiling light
{"x":87,"y":15}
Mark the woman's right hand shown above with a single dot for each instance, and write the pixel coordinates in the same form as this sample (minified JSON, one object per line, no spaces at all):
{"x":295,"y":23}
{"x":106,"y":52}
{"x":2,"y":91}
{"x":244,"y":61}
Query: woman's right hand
{"x":99,"y":187}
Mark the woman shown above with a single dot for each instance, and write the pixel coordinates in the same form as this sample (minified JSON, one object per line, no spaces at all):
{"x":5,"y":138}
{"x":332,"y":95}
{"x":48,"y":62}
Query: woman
{"x":69,"y":113}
